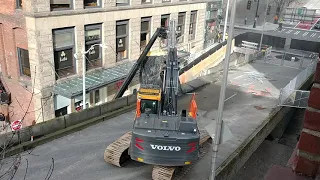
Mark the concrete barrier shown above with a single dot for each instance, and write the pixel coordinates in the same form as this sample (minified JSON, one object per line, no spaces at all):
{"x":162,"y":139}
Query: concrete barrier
{"x":48,"y":127}
{"x":75,"y":118}
{"x":132,"y":99}
{"x":114,"y":105}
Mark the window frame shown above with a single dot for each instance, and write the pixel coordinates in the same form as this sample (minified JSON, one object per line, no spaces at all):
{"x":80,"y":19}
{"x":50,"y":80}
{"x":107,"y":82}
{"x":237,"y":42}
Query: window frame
{"x":18,"y":4}
{"x":99,"y":41}
{"x":166,"y":1}
{"x":183,"y":14}
{"x":165,"y":16}
{"x":62,"y":31}
{"x":123,"y":22}
{"x":123,"y":4}
{"x":90,"y":7}
{"x":20,"y":62}
{"x":151,"y":1}
{"x":193,"y":35}
{"x":145,"y":19}
{"x":63,"y":9}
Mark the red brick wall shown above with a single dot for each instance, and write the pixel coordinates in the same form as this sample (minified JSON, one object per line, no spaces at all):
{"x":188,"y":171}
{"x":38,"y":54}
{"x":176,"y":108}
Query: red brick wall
{"x":13,"y":35}
{"x":307,"y":158}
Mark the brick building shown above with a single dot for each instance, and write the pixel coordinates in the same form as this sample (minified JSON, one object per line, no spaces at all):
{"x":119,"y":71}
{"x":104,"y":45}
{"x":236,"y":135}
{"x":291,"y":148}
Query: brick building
{"x":42,"y":44}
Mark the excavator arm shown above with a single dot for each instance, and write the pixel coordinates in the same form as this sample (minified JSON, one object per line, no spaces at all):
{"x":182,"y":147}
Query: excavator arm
{"x":160,"y":32}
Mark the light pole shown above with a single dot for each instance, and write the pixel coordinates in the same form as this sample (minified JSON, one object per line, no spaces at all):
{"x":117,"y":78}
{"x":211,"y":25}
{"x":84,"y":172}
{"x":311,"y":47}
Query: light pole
{"x":218,"y":131}
{"x":256,"y":16}
{"x":84,"y":72}
{"x":225,"y":21}
{"x":264,"y":22}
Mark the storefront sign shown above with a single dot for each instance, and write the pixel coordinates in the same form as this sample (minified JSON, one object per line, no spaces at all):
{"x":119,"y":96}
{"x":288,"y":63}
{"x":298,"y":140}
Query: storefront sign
{"x":63,"y":58}
{"x":93,"y":53}
{"x":121,"y":44}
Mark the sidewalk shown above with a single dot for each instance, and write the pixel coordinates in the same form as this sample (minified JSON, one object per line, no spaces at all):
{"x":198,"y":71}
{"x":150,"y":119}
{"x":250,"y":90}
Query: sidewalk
{"x":268,"y":26}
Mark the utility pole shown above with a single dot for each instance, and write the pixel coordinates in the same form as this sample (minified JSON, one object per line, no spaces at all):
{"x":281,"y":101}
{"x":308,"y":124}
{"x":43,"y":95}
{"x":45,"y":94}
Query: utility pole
{"x":256,"y":16}
{"x":264,"y":22}
{"x":225,"y":22}
{"x":216,"y":139}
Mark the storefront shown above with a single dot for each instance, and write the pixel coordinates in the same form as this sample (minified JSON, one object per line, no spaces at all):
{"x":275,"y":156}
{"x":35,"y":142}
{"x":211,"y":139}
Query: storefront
{"x":212,"y":22}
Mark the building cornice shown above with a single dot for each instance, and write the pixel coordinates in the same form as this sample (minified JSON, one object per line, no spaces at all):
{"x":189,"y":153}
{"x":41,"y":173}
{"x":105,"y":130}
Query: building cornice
{"x":109,"y":9}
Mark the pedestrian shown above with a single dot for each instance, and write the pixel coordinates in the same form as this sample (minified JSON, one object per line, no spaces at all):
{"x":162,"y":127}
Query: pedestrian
{"x":245,"y":20}
{"x":275,"y":19}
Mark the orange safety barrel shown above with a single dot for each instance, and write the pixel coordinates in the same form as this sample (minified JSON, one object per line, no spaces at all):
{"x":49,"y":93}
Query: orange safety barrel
{"x":138,"y":110}
{"x":193,"y":108}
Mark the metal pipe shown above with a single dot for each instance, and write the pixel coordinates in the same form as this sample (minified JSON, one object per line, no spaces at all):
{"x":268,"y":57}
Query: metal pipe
{"x":84,"y":81}
{"x":256,"y":16}
{"x":264,"y":22}
{"x":222,"y":93}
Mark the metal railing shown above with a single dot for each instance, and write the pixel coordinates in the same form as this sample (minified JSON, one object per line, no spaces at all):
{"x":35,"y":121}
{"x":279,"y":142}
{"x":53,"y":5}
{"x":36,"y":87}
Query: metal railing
{"x":290,"y":95}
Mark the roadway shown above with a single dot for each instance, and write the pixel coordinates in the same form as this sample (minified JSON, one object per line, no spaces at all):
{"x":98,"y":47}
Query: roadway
{"x":253,"y":90}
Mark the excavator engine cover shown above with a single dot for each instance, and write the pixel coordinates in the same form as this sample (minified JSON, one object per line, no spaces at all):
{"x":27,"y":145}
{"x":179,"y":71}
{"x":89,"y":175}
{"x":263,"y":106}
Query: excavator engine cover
{"x":165,"y":140}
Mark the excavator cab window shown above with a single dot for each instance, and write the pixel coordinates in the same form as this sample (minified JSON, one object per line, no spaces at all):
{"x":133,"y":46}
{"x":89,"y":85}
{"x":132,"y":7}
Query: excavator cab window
{"x":149,"y":104}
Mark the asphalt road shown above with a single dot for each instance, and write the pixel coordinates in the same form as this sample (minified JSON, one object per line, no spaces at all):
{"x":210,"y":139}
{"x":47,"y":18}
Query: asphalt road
{"x":80,"y":155}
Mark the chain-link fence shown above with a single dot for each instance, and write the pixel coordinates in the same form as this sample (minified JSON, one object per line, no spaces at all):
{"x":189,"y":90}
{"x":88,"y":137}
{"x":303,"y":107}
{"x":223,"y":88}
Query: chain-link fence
{"x":290,"y":95}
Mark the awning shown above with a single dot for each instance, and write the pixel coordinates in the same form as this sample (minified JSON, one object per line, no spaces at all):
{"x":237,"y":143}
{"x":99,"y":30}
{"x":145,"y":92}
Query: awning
{"x":72,"y":87}
{"x":94,"y":80}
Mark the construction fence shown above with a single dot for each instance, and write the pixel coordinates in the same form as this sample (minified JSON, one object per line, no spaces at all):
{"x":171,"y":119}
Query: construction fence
{"x":290,"y":95}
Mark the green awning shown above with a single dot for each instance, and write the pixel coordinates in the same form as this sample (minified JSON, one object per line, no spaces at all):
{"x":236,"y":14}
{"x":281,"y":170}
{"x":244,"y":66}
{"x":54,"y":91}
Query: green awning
{"x":72,"y":87}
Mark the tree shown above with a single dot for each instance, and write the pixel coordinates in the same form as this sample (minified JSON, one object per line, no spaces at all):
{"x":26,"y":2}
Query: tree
{"x":282,"y":4}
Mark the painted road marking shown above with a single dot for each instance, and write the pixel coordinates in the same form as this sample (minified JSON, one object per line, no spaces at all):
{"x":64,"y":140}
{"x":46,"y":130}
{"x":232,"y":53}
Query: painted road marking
{"x":283,"y":30}
{"x":314,"y":34}
{"x":306,"y":33}
{"x":289,"y":31}
{"x":297,"y":32}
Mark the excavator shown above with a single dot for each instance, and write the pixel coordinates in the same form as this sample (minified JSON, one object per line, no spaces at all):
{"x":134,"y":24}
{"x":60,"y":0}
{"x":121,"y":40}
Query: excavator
{"x":160,"y":135}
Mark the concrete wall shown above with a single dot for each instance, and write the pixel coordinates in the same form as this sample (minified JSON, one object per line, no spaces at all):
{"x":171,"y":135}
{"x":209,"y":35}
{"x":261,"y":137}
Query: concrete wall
{"x":206,"y":63}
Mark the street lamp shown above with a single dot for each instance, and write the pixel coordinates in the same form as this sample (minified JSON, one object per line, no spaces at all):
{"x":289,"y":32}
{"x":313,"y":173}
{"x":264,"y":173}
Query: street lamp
{"x":218,"y":132}
{"x":264,"y":22}
{"x":84,"y":72}
{"x":256,"y":16}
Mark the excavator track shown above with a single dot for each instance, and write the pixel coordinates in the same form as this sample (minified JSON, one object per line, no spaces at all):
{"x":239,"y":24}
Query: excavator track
{"x":117,"y":152}
{"x":167,"y":173}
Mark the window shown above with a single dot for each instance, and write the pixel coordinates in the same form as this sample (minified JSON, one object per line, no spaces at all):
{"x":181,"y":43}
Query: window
{"x":122,"y":2}
{"x":63,"y":44}
{"x":165,"y":20}
{"x":192,"y":27}
{"x":19,"y":4}
{"x":122,"y":40}
{"x":146,"y":1}
{"x":23,"y":57}
{"x":92,"y":3}
{"x":164,"y":23}
{"x":60,"y":4}
{"x":61,"y":112}
{"x":93,"y":36}
{"x":145,"y":32}
{"x":97,"y":96}
{"x":180,"y":27}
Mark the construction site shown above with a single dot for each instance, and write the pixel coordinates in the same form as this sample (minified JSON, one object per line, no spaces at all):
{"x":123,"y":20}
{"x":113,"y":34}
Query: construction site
{"x":166,"y":129}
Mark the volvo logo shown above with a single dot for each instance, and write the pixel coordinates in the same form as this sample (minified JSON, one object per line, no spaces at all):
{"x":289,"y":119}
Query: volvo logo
{"x":165,"y":148}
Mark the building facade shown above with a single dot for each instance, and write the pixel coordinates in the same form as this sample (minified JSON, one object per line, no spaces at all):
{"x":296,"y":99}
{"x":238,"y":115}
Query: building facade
{"x":53,"y":38}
